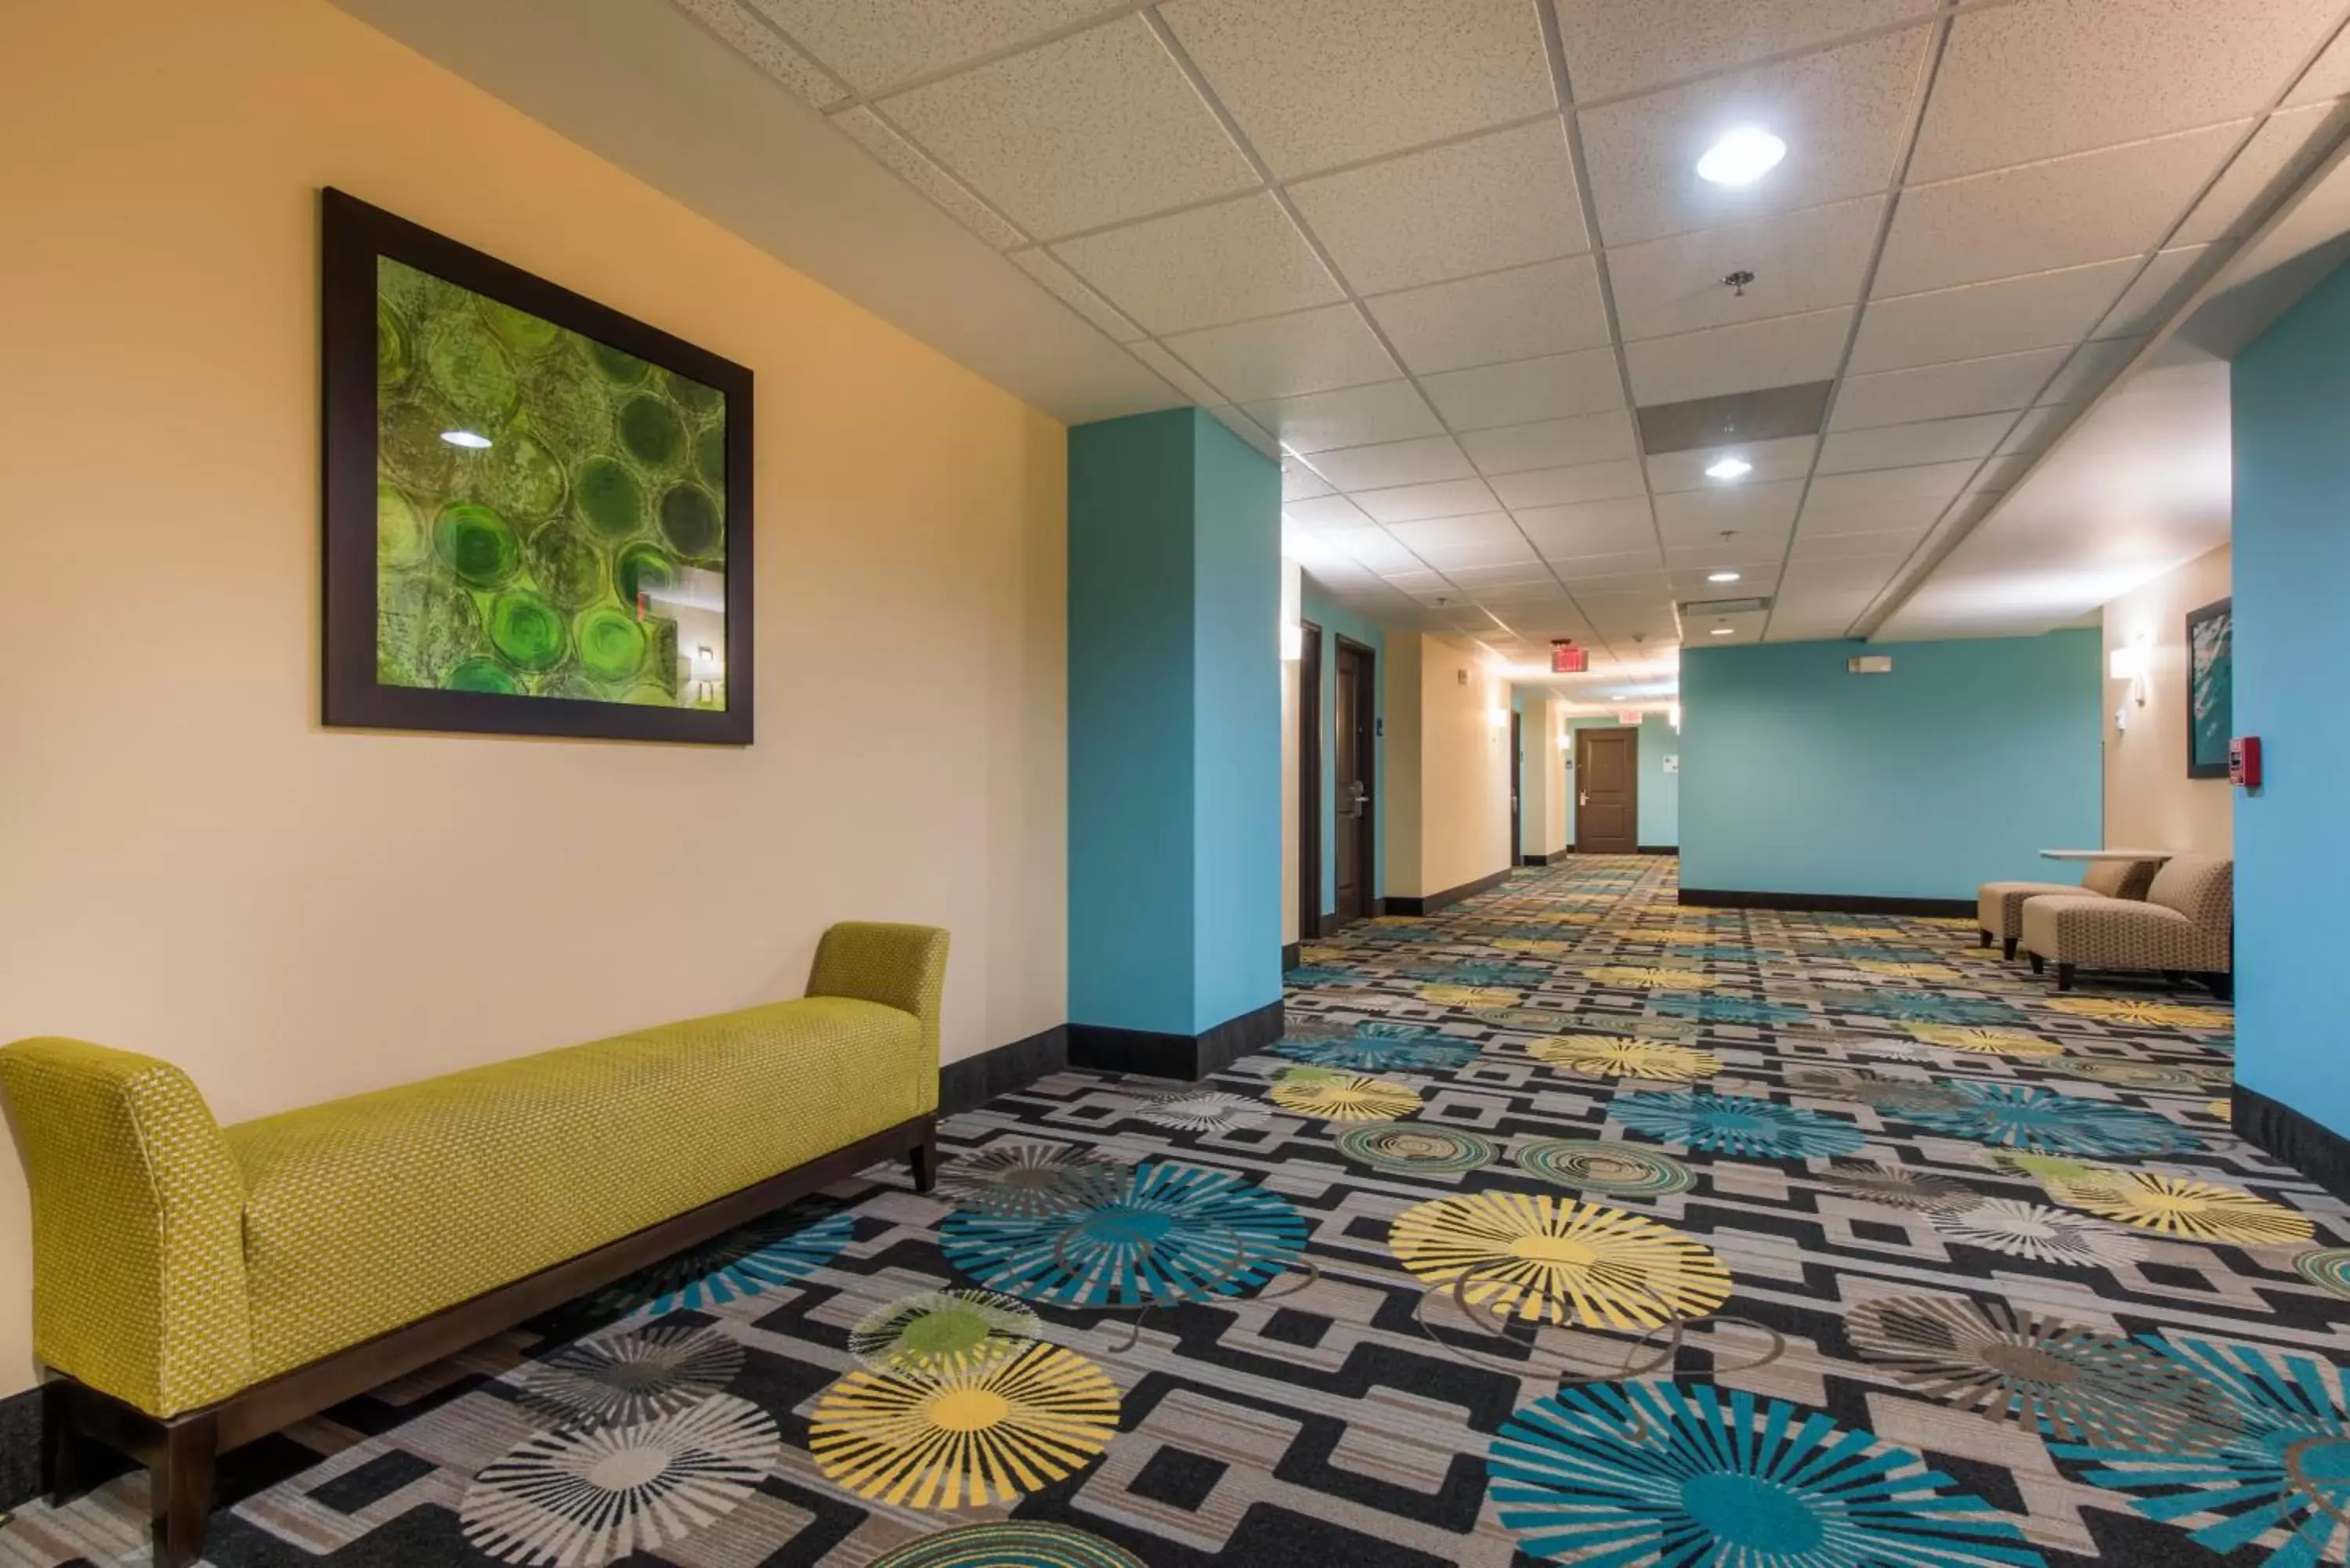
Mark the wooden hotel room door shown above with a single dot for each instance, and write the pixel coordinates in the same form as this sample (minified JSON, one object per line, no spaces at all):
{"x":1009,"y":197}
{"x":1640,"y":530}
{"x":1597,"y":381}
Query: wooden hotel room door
{"x":1353,"y":764}
{"x":1608,"y":791}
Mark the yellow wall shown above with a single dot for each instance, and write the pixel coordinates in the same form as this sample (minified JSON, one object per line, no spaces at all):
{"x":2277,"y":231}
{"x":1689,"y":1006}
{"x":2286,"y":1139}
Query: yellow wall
{"x":2150,"y":802}
{"x":1447,"y":762}
{"x":195,"y":868}
{"x":1541,"y":812}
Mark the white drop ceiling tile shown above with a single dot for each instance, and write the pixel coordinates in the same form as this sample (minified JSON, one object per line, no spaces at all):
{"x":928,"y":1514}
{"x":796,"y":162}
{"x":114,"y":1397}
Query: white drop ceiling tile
{"x":1779,"y":352}
{"x":1093,"y":128}
{"x":1614,"y":480}
{"x":1077,"y":294}
{"x":1693,"y":516}
{"x":1512,"y":595}
{"x":1843,"y":574}
{"x":2092,"y":365}
{"x":1206,"y":266}
{"x":1829,"y":515}
{"x":1176,"y":374}
{"x":1355,"y":416}
{"x":2280,"y":153}
{"x":1550,"y":307}
{"x":759,"y":44}
{"x":902,"y":157}
{"x":876,"y":43}
{"x":1421,"y":461}
{"x":1299,"y":482}
{"x":1895,"y":543}
{"x":1378,"y":549}
{"x":1594,"y":528}
{"x":2089,"y":207}
{"x":1509,"y":574}
{"x":1487,"y":539}
{"x":1498,"y":201}
{"x":1842,"y":113}
{"x":1788,"y":457}
{"x":1977,"y":319}
{"x":2038,"y":429}
{"x":2328,"y":76}
{"x":1881,"y":488}
{"x":2169,"y":277}
{"x":1324,"y":512}
{"x":1975,"y":506}
{"x":1944,"y":391}
{"x":1288,"y":356}
{"x":1247,"y":428}
{"x":1761,"y":549}
{"x":1317,"y":83}
{"x":1801,"y":261}
{"x":1552,"y":443}
{"x":1413,"y":502}
{"x":2047,"y":77}
{"x":1558,"y":386}
{"x":1622,"y":46}
{"x":1695,"y":582}
{"x":1905,"y":446}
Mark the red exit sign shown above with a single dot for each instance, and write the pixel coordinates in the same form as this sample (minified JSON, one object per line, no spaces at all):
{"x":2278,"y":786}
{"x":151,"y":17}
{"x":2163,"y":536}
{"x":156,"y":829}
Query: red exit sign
{"x":1565,"y":658}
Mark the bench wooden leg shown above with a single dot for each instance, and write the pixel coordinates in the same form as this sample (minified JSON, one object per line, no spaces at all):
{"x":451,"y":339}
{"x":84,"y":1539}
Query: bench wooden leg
{"x":71,"y":1460}
{"x":1985,"y":935}
{"x":179,"y":1479}
{"x":2039,"y":965}
{"x":924,"y":1158}
{"x":2063,"y":977}
{"x":2008,"y":948}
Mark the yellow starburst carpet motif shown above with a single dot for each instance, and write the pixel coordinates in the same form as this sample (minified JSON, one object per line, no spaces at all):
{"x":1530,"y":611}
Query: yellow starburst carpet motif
{"x":1646,"y":978}
{"x":2181,"y":1206}
{"x":2148,"y":1015}
{"x":1607,"y":1057}
{"x":1559,"y":1260}
{"x":1984,"y":1041}
{"x":1345,"y":1096}
{"x":965,"y":1437}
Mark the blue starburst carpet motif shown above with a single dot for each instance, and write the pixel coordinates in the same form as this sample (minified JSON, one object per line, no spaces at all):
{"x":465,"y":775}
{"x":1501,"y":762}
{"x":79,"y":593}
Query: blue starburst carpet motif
{"x":1736,"y":1124}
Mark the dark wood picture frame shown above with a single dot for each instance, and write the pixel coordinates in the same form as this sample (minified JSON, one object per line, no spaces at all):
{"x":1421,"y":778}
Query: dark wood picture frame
{"x":2198,"y":765}
{"x":354,"y":234}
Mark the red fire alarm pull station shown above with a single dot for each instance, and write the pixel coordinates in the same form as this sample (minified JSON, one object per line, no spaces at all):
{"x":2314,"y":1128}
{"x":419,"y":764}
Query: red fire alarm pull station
{"x":1565,"y":658}
{"x":2244,"y":762}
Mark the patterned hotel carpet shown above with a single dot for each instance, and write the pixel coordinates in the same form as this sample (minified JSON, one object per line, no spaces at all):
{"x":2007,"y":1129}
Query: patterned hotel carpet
{"x":1566,"y":1225}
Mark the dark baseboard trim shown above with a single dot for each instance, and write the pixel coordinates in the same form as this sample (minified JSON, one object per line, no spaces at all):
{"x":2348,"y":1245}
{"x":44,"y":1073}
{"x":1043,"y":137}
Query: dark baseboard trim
{"x":1658,"y":849}
{"x":1824,"y":903}
{"x":971,"y":1083}
{"x":20,"y":1449}
{"x":1329,"y":924}
{"x":1289,"y":955}
{"x":1552,"y":859}
{"x":1185,"y":1056}
{"x":2317,"y":1151}
{"x":1429,"y":903}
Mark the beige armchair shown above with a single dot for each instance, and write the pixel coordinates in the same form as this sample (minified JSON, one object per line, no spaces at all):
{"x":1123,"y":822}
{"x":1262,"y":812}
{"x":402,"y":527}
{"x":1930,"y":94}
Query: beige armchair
{"x":1999,"y":906}
{"x":2185,"y":926}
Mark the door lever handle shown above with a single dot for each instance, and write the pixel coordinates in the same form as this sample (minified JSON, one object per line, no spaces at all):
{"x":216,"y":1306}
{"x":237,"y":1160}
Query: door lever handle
{"x":1582,"y":798}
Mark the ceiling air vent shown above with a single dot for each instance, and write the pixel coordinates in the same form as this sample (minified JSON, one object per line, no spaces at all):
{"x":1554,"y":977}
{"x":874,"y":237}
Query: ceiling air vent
{"x":1703,"y":423}
{"x":1696,"y":608}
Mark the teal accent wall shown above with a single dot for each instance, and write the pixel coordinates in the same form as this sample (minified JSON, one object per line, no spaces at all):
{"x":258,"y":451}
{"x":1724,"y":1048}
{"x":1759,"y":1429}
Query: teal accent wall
{"x":1956,"y":769}
{"x":2291,"y":397}
{"x":1174,"y":724}
{"x":1659,"y":825}
{"x":1336,"y":622}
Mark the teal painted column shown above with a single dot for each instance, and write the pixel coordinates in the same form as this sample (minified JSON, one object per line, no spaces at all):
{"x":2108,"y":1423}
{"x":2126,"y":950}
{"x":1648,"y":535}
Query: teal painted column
{"x":1174,"y":744}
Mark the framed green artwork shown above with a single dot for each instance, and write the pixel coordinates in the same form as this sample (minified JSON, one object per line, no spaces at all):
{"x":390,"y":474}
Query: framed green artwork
{"x":537,"y":509}
{"x":2210,"y":689}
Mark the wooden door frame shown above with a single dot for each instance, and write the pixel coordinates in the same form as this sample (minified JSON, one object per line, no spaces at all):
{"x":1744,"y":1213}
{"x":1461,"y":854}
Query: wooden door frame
{"x":1309,"y":783}
{"x":1634,"y":730}
{"x":1367,"y":705}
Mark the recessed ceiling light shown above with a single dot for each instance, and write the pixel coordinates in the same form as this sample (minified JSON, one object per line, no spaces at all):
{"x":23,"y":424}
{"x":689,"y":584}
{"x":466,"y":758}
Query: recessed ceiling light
{"x":472,"y":439}
{"x":1721,"y":632}
{"x":1740,"y":158}
{"x":1729,"y":468}
{"x":1721,"y":577}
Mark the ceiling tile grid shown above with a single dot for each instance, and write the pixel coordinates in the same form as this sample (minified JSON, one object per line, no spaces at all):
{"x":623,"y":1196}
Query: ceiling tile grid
{"x":1435,"y":253}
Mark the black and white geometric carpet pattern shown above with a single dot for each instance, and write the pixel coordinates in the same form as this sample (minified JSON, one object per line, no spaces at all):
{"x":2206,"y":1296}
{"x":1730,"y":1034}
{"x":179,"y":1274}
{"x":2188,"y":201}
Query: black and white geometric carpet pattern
{"x":1564,"y":1225}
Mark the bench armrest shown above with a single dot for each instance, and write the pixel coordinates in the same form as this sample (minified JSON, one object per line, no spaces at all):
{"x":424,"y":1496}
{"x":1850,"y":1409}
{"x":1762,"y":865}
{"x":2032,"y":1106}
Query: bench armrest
{"x":139,"y":1286}
{"x":898,"y":966}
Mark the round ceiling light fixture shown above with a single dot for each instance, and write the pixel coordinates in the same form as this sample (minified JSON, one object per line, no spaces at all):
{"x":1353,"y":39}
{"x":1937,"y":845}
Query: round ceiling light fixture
{"x":1740,"y":158}
{"x":1721,"y":632}
{"x":1721,"y":577}
{"x":1729,"y":468}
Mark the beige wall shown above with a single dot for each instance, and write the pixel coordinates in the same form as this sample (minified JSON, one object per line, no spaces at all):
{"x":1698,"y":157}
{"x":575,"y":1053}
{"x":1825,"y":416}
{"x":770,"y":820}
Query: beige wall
{"x":1542,"y":815}
{"x":1448,"y":764}
{"x":195,"y":868}
{"x":2150,"y":802}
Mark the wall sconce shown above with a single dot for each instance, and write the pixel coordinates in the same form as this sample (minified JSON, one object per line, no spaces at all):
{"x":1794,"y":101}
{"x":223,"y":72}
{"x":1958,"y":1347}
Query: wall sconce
{"x":1292,"y":642}
{"x":2129,"y":663}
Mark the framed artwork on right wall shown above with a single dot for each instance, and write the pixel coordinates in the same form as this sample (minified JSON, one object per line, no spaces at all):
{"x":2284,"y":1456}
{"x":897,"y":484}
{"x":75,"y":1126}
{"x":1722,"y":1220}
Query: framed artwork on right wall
{"x":2210,"y":689}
